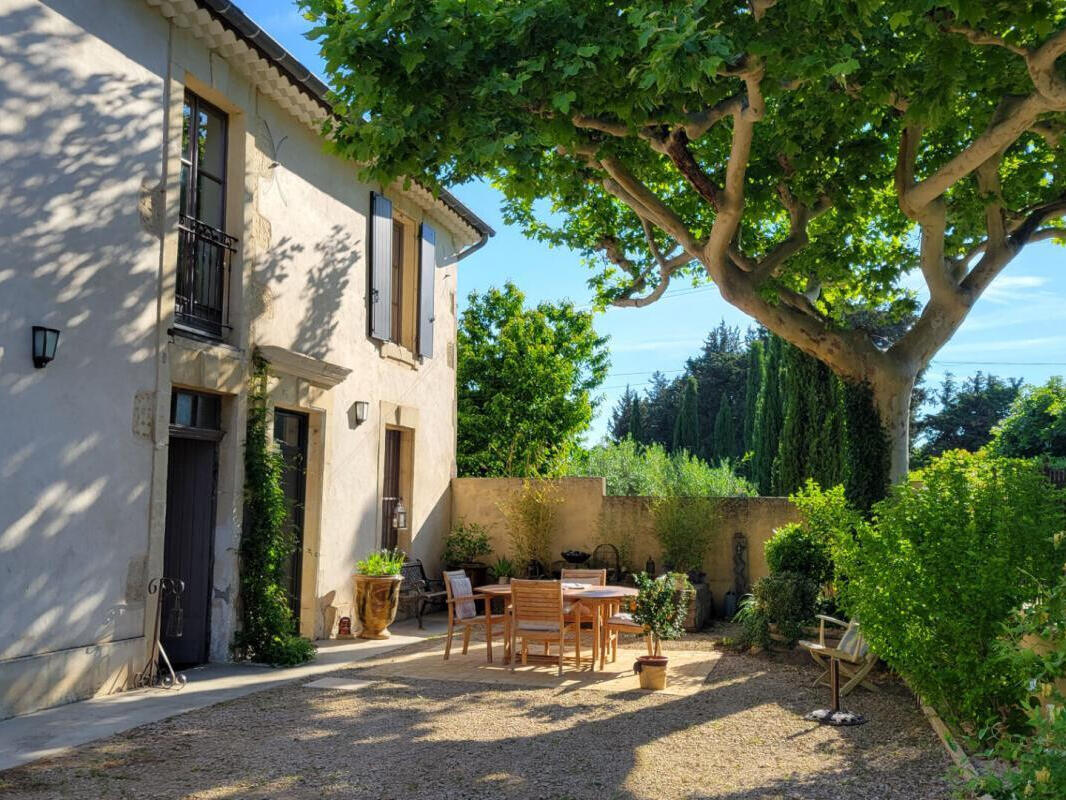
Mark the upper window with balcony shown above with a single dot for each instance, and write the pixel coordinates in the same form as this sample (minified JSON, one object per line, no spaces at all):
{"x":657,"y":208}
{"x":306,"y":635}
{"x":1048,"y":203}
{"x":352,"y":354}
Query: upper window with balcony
{"x":204,"y":248}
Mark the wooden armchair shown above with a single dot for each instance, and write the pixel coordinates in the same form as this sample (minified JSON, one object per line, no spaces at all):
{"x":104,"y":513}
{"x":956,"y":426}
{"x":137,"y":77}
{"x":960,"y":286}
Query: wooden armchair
{"x":462,"y":610}
{"x":537,"y":615}
{"x":852,"y":654}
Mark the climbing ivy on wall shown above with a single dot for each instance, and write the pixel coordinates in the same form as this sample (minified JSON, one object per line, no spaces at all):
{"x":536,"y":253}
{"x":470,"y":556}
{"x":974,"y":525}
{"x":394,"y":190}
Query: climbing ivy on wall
{"x":267,"y":631}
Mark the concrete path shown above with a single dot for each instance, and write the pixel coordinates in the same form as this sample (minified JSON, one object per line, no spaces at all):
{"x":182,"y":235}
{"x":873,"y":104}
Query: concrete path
{"x":46,"y":733}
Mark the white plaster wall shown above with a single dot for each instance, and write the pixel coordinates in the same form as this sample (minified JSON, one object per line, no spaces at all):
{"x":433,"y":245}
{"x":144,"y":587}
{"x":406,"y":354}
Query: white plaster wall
{"x":81,"y":151}
{"x":315,"y":269}
{"x":303,"y":247}
{"x":80,"y":144}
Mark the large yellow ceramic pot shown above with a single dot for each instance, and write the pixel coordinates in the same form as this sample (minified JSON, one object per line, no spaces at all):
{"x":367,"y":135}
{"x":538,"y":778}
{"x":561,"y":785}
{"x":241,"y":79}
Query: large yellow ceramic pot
{"x":376,"y":601}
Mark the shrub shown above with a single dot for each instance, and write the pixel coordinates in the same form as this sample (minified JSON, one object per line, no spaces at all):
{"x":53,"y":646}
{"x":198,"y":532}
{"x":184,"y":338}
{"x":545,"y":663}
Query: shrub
{"x":795,"y":548}
{"x":1035,"y":648}
{"x":381,"y":563}
{"x":532,"y":517}
{"x":937,"y":571}
{"x":465,"y":544}
{"x":662,"y":606}
{"x":503,"y":568}
{"x":631,"y":469}
{"x":686,"y":527}
{"x":788,"y":600}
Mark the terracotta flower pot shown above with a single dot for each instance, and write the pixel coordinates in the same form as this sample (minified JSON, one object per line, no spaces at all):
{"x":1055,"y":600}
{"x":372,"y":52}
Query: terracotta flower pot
{"x":376,"y":601}
{"x":652,"y":671}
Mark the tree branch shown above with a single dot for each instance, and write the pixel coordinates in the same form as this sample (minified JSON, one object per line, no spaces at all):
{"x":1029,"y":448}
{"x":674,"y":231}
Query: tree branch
{"x":993,"y":261}
{"x":981,"y":38}
{"x":731,"y":206}
{"x":800,"y":217}
{"x":631,"y":191}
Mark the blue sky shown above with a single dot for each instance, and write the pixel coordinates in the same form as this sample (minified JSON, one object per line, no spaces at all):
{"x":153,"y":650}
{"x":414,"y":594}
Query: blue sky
{"x":1018,"y":329}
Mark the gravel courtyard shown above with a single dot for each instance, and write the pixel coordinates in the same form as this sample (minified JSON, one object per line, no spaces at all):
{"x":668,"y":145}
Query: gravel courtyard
{"x":742,"y":737}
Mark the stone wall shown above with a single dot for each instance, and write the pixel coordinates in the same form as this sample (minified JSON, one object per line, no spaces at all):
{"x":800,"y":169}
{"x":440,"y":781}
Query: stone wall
{"x":588,"y":517}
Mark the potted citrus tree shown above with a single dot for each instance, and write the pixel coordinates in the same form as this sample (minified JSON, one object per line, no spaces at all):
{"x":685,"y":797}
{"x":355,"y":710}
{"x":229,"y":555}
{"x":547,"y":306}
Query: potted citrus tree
{"x":464,"y":547}
{"x":377,"y":592}
{"x":661,"y":607}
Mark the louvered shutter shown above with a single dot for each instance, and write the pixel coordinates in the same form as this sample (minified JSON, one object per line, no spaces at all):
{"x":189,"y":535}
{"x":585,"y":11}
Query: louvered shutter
{"x":380,"y":295}
{"x":427,"y":264}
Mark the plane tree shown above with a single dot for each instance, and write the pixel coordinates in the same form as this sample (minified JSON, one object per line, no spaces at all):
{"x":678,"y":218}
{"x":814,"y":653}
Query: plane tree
{"x":806,"y":158}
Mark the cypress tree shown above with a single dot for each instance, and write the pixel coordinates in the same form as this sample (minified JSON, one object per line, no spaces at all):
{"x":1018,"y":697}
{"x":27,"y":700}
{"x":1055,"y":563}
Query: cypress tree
{"x":636,"y":420}
{"x":767,"y":428}
{"x":725,"y":439}
{"x":687,"y":425}
{"x":751,"y":392}
{"x":792,"y":465}
{"x":621,"y":422}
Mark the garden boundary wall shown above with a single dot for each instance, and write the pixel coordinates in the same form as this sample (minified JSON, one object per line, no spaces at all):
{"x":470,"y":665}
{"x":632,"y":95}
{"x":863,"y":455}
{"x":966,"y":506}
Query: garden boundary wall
{"x":587,"y":517}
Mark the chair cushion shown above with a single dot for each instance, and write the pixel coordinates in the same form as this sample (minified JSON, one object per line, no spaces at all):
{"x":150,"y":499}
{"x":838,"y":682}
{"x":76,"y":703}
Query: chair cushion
{"x":624,"y":620}
{"x":462,"y":593}
{"x":537,"y":626}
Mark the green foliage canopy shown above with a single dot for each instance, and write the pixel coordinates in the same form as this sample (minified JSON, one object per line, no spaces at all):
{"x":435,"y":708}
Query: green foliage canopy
{"x":526,"y":378}
{"x":1036,"y":424}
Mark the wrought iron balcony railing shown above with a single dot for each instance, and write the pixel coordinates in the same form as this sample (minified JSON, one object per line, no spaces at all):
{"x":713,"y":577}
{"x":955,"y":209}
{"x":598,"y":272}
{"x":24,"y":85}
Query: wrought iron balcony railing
{"x":202,"y":291}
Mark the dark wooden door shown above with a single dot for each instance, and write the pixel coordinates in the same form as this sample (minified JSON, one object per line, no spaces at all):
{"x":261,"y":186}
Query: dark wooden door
{"x":290,"y":433}
{"x":187,"y":549}
{"x":390,"y":489}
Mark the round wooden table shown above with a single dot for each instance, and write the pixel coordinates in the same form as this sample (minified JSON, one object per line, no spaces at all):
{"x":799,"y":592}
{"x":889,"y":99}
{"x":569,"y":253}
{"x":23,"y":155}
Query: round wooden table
{"x":597,"y":599}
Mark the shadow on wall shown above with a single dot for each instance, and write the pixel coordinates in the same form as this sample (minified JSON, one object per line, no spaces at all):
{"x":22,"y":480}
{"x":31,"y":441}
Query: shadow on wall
{"x":79,"y":161}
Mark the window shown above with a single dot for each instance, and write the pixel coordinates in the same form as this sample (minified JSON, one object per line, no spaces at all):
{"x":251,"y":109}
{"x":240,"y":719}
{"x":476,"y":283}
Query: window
{"x":195,"y":410}
{"x":402,"y":279}
{"x":204,"y":249}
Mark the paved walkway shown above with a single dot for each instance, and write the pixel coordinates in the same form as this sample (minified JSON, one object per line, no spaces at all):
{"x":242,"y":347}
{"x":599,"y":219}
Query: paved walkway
{"x":49,"y":732}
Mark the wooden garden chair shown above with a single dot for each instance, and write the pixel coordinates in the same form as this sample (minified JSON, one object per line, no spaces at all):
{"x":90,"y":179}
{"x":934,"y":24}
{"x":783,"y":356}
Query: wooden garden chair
{"x":537,"y":615}
{"x":855,"y":660}
{"x":622,"y":622}
{"x":462,"y":611}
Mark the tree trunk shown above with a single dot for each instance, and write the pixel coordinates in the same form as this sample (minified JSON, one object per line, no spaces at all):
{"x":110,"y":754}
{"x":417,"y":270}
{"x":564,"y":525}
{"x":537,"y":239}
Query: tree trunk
{"x":892,"y":398}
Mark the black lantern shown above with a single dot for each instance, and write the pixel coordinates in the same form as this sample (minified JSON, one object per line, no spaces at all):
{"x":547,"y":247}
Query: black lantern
{"x":399,"y":516}
{"x":45,"y":342}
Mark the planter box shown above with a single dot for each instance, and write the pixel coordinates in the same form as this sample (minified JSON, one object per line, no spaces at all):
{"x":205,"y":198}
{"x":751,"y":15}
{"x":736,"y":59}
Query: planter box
{"x":700,"y":608}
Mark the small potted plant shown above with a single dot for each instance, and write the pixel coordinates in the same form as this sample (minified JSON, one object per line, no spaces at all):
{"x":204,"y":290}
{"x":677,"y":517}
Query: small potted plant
{"x":377,"y":592}
{"x":502,"y":570}
{"x":661,"y":607}
{"x":464,"y":547}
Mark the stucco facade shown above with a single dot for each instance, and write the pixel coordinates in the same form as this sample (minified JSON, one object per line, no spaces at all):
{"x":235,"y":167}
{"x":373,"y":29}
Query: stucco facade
{"x":91,"y":109}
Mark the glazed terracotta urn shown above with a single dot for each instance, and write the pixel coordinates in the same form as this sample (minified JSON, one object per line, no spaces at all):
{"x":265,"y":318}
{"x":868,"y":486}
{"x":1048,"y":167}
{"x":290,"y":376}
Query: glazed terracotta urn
{"x":376,"y":602}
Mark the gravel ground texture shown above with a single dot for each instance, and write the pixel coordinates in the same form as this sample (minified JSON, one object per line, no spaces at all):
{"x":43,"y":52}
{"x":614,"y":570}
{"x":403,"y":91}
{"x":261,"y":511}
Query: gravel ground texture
{"x":741,"y":738}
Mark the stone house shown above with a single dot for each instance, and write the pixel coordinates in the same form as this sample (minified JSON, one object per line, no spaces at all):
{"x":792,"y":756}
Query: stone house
{"x":168,"y":205}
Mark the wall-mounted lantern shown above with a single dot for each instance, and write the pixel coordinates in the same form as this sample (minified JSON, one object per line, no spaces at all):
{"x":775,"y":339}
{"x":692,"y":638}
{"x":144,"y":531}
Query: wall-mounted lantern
{"x":399,"y":516}
{"x":362,"y":411}
{"x":45,"y":342}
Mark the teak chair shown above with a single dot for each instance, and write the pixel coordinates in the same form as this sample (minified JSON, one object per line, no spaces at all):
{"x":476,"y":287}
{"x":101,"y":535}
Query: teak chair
{"x":537,"y":615}
{"x":462,"y":610}
{"x":622,"y":622}
{"x":589,"y":577}
{"x":852,"y":654}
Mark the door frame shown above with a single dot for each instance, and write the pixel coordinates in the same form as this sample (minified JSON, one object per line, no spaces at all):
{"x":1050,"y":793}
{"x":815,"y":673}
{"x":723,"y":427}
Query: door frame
{"x":303,"y":446}
{"x":199,"y":435}
{"x":313,"y":488}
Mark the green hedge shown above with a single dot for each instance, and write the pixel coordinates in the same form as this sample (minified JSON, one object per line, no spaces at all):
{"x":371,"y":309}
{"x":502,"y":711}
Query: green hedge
{"x":936,"y":573}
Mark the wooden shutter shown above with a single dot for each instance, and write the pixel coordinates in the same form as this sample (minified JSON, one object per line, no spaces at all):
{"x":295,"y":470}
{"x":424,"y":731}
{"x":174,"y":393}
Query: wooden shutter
{"x":427,"y":264}
{"x":380,"y":294}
